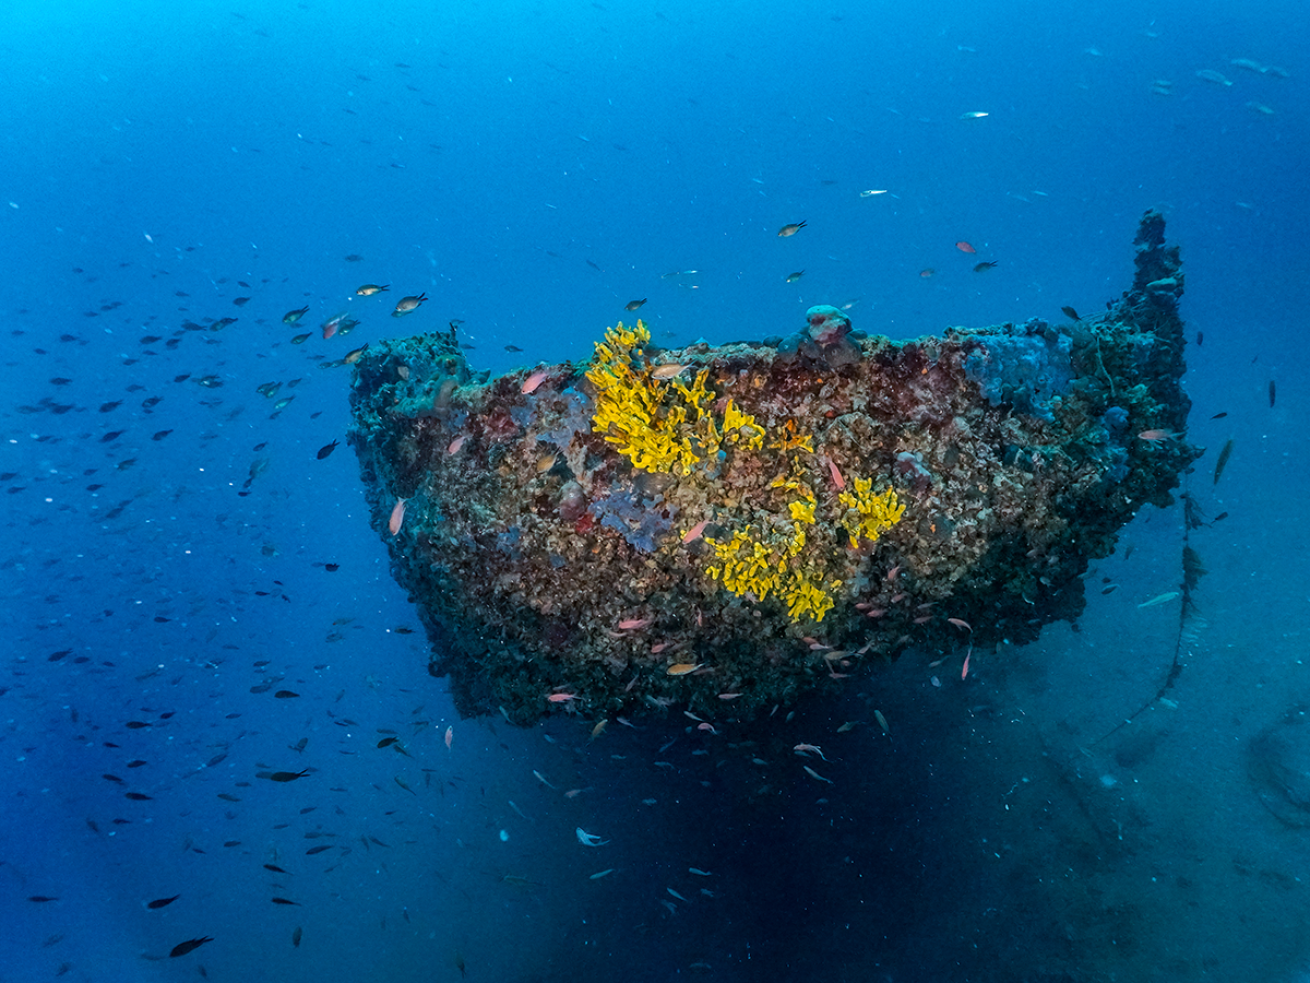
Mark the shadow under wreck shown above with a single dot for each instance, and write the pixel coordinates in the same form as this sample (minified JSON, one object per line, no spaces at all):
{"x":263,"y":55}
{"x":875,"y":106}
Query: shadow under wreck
{"x":727,"y":526}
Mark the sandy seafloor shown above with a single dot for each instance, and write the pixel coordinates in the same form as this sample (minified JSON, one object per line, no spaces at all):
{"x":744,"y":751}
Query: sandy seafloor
{"x":1003,"y":830}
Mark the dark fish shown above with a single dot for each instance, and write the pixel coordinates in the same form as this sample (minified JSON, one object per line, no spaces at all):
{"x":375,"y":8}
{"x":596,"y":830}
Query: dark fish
{"x":241,"y":301}
{"x":354,"y":258}
{"x":984,"y":265}
{"x":1200,"y":338}
{"x":285,"y":694}
{"x":284,"y":776}
{"x":513,"y":348}
{"x":161,"y":434}
{"x":793,"y":277}
{"x":113,"y":778}
{"x":285,"y":901}
{"x":275,"y":869}
{"x":107,"y":407}
{"x":317,"y":849}
{"x":633,"y":305}
{"x":1219,"y":518}
{"x":1071,"y":314}
{"x":182,"y":948}
{"x":351,"y":357}
{"x":296,"y":936}
{"x":594,"y":266}
{"x":112,"y":435}
{"x":385,"y":742}
{"x":291,"y":317}
{"x":332,"y":567}
{"x":162,"y":902}
{"x":1219,"y":416}
{"x":408,"y":304}
{"x":138,"y":796}
{"x":300,"y":339}
{"x":135,"y":724}
{"x":41,"y":898}
{"x":137,"y":763}
{"x":1273,"y":393}
{"x":1224,"y":455}
{"x":790,"y":229}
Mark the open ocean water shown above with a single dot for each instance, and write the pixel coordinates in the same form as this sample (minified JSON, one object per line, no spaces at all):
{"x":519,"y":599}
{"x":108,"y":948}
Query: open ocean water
{"x":193,"y":597}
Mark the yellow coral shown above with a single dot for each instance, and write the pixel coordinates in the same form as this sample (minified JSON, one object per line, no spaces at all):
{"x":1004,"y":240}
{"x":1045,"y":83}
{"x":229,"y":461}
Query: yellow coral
{"x":868,"y":516}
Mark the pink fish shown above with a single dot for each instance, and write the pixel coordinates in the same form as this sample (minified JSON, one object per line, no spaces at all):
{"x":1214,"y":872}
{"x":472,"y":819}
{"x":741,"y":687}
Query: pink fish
{"x":456,"y":444}
{"x":633,"y":624}
{"x":960,"y":623}
{"x":531,"y":383}
{"x":397,"y":516}
{"x":332,"y":325}
{"x":694,"y":533}
{"x":562,"y":697}
{"x":964,"y":671}
{"x":837,"y":479}
{"x":450,"y":737}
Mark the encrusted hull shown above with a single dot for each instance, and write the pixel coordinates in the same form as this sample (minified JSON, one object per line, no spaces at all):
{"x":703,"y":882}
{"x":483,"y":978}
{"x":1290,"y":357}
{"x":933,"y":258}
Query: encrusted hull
{"x":771,"y":516}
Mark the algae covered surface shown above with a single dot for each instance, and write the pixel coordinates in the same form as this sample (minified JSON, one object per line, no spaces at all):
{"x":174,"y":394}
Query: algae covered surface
{"x":723,"y":527}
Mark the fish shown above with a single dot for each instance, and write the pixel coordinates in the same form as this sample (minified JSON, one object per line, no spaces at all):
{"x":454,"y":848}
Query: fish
{"x":387,"y":741}
{"x":873,"y":191}
{"x":41,"y":898}
{"x":670,"y":370}
{"x":589,"y":839}
{"x":683,"y":668}
{"x":602,"y":873}
{"x":351,"y":357}
{"x":397,"y":516}
{"x":332,"y":325}
{"x":190,"y":945}
{"x":1273,"y":393}
{"x":793,"y":277}
{"x":1164,"y":598}
{"x":138,"y":796}
{"x":284,"y":776}
{"x":407,"y":305}
{"x":1224,"y":454}
{"x":285,"y":901}
{"x":300,"y":339}
{"x":1070,"y":313}
{"x":275,"y":869}
{"x":317,"y":849}
{"x":960,"y":623}
{"x":809,"y":749}
{"x":561,"y":697}
{"x":814,"y":774}
{"x":790,"y":229}
{"x":296,"y":937}
{"x":965,"y":247}
{"x":531,"y":383}
{"x":927,"y":273}
{"x":456,"y":444}
{"x":326,"y":449}
{"x":1210,"y":75}
{"x":1155,"y":436}
{"x":162,"y":902}
{"x":450,"y":737}
{"x":984,"y":266}
{"x":291,"y":317}
{"x":694,"y":533}
{"x":974,"y":114}
{"x":633,"y":624}
{"x":837,"y":478}
{"x":633,"y":305}
{"x":369,"y":289}
{"x":882,"y":722}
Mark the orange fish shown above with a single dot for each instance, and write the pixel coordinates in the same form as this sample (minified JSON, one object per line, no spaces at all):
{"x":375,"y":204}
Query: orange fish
{"x":531,"y":383}
{"x":397,"y":516}
{"x":964,"y":247}
{"x":682,"y":668}
{"x":450,"y":737}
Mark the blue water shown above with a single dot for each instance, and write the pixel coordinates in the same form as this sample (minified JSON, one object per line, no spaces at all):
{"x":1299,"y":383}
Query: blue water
{"x":533,"y":167}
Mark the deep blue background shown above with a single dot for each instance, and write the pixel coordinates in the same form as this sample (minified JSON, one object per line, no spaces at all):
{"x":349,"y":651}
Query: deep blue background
{"x":534,"y":167}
